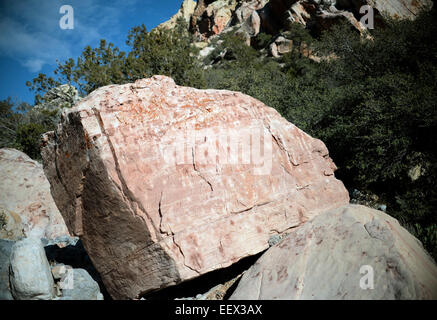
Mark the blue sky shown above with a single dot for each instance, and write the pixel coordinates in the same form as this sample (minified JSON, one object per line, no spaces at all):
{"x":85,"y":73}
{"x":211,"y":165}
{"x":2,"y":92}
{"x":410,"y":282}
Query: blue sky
{"x":31,"y":39}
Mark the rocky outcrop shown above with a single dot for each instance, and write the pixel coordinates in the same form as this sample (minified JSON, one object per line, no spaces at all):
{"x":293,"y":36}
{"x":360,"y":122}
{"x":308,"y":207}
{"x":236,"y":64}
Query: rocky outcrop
{"x":165,"y":183}
{"x":280,"y":46}
{"x":185,"y":12}
{"x":209,"y":18}
{"x":26,"y":205}
{"x":29,"y":221}
{"x":319,"y":15}
{"x":65,"y":259}
{"x":352,"y":252}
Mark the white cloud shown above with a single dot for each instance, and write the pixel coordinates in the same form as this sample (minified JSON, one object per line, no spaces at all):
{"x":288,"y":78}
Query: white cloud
{"x":34,"y":65}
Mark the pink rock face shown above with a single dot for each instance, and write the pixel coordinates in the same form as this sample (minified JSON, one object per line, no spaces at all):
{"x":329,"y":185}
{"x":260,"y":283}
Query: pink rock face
{"x":165,"y":183}
{"x":219,"y":24}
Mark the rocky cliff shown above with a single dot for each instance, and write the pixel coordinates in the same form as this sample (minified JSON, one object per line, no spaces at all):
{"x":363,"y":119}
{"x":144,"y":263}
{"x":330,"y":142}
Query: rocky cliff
{"x":248,"y":18}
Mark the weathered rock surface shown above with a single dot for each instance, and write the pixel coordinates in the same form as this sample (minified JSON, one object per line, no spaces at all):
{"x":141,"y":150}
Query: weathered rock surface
{"x":280,"y":46}
{"x":11,"y":227}
{"x":83,"y":287}
{"x":186,"y":11}
{"x":30,"y":275}
{"x":149,"y":220}
{"x":25,"y":200}
{"x":5,"y":254}
{"x":322,"y":260}
{"x":211,"y":17}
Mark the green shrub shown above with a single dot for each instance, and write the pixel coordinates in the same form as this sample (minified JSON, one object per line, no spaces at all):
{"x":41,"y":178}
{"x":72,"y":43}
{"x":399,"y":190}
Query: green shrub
{"x":29,"y":137}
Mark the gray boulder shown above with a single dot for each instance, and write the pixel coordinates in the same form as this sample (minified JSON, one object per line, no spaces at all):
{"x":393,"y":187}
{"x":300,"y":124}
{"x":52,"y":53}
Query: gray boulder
{"x":30,"y":275}
{"x":80,"y":286}
{"x":352,"y":252}
{"x":5,"y":253}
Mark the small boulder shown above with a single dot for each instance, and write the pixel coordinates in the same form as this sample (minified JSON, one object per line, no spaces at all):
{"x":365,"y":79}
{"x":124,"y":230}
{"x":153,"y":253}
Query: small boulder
{"x":83,"y":287}
{"x":280,"y":46}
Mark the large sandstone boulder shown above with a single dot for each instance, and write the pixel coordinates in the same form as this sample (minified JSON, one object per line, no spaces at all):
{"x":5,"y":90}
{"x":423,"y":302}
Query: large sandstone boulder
{"x":26,"y":205}
{"x":352,"y":252}
{"x":165,"y":183}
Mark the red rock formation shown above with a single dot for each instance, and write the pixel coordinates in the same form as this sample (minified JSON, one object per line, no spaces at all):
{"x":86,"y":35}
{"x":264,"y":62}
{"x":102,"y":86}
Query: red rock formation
{"x":148,"y":174}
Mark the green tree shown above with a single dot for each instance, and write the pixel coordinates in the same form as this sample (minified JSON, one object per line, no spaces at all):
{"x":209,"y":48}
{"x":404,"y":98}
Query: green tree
{"x":166,"y":52}
{"x":98,"y":67}
{"x":374,"y":104}
{"x":40,"y":85}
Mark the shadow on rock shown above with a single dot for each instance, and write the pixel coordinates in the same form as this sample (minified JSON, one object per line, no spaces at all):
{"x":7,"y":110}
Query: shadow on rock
{"x":76,"y":257}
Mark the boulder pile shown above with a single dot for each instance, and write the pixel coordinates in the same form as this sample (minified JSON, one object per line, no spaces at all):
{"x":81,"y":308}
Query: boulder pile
{"x":30,"y":223}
